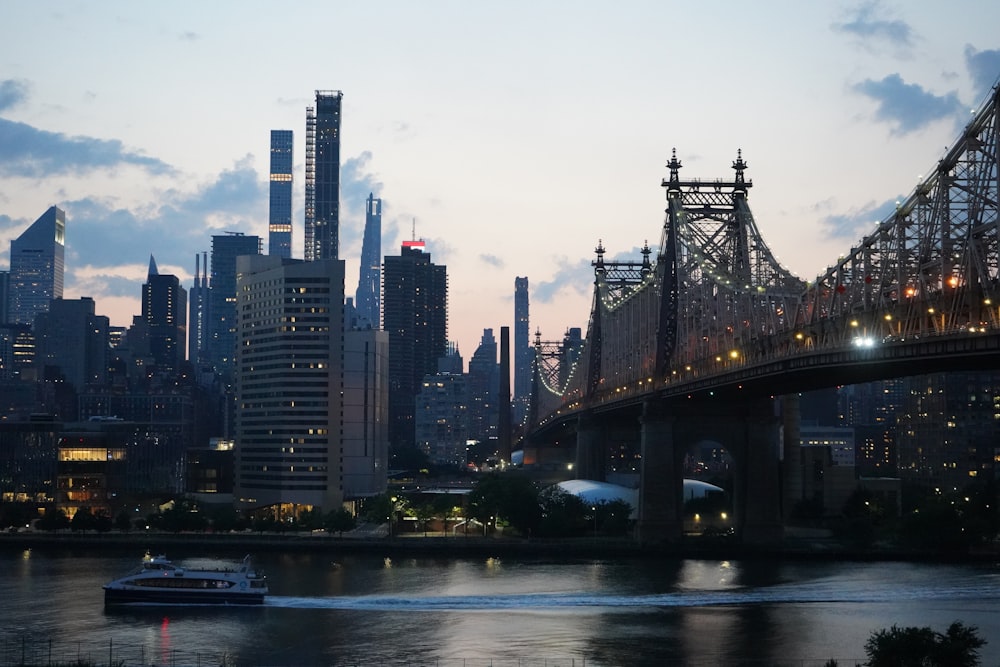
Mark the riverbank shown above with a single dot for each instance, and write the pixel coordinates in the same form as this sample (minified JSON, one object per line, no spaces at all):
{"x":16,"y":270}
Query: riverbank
{"x":804,"y":547}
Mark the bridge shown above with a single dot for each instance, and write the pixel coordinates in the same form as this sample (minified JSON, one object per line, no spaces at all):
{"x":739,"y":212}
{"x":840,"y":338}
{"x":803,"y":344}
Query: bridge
{"x":709,"y":336}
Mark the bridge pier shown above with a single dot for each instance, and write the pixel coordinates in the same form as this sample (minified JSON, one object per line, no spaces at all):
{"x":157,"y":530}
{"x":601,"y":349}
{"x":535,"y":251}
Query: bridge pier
{"x":660,"y":480}
{"x":757,"y":485}
{"x":590,"y":448}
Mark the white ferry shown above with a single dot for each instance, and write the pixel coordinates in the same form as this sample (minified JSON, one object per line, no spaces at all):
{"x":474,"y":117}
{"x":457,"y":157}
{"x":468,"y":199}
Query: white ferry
{"x":159,"y":581}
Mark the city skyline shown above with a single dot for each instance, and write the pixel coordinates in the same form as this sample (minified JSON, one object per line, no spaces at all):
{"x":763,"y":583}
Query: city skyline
{"x":512,"y":140}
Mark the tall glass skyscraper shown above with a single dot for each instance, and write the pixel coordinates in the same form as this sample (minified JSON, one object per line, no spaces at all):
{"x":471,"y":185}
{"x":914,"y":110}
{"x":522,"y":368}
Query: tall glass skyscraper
{"x":367,"y":299}
{"x":279,"y":242}
{"x":322,"y":224}
{"x":37,"y":265}
{"x":522,"y":351}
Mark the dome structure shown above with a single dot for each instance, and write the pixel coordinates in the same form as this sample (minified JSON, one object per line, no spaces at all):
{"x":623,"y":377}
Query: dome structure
{"x":594,"y":493}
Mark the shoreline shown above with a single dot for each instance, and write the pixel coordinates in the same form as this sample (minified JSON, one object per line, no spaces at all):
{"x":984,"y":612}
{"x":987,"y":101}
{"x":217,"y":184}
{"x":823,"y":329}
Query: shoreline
{"x":459,"y":547}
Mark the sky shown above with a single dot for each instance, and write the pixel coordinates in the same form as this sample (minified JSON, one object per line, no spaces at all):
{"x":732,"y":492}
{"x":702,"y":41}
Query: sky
{"x":512,"y":137}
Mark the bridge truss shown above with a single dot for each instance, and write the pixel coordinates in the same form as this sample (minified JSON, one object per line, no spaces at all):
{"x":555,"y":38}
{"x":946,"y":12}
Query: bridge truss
{"x":716,"y":297}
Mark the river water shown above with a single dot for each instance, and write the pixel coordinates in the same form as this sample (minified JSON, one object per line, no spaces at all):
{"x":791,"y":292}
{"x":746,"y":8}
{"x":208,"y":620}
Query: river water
{"x":368,"y":610}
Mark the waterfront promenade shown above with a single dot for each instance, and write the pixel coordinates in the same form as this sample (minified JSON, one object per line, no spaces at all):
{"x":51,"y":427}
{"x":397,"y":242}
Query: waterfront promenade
{"x":806,"y":545}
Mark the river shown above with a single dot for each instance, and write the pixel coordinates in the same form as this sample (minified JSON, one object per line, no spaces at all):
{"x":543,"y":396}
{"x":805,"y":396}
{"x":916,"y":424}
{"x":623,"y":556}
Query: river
{"x":449,"y":612}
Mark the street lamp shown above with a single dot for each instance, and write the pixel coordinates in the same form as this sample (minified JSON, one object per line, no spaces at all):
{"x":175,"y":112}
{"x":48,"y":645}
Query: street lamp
{"x":594,"y":510}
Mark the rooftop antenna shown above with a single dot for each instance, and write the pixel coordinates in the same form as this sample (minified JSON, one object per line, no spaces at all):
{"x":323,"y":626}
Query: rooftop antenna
{"x":413,"y":230}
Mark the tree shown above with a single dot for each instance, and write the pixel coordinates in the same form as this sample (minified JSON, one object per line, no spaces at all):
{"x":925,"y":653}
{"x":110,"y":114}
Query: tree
{"x":339,"y":520}
{"x":506,"y":496}
{"x":53,"y":520}
{"x":922,"y":647}
{"x":83,"y":519}
{"x":563,"y":514}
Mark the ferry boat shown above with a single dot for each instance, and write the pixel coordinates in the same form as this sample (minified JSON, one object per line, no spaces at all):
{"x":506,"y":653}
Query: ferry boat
{"x":160,"y":581}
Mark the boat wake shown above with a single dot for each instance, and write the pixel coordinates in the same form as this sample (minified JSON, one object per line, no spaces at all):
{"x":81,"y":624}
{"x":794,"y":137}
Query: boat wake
{"x":596,"y":601}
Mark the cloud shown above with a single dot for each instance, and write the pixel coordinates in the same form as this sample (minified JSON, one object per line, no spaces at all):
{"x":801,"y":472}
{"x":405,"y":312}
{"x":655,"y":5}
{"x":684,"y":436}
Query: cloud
{"x":356,"y":183}
{"x":108,"y":248}
{"x":908,"y":107}
{"x":576,"y":276}
{"x":865,"y":24}
{"x":858,"y":222}
{"x":12,"y":93}
{"x":491,"y":260}
{"x":32,"y":153}
{"x":983,"y":66}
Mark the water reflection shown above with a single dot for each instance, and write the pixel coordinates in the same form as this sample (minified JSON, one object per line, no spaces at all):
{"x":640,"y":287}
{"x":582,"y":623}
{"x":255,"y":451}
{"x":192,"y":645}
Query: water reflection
{"x":346,"y":608}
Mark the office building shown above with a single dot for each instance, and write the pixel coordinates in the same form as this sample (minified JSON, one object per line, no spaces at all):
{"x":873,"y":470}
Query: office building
{"x":442,"y":419}
{"x":221,"y":343}
{"x":368,"y":301}
{"x":279,"y":240}
{"x":415,"y":315}
{"x":37,"y":265}
{"x":71,"y":341}
{"x":322,"y":205}
{"x":164,"y":312}
{"x":289,"y":384}
{"x":522,"y":351}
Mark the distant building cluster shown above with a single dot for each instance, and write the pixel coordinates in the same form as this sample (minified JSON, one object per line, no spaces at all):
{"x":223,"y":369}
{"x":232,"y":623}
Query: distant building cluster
{"x":260,"y":385}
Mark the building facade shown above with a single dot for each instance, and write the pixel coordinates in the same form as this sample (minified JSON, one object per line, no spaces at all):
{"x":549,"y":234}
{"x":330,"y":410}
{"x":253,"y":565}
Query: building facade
{"x":289,"y":384}
{"x":415,"y":315}
{"x":72,"y":338}
{"x":322,"y":205}
{"x":37,"y":267}
{"x":442,"y":419}
{"x":279,"y":228}
{"x":366,"y":413}
{"x":221,"y":343}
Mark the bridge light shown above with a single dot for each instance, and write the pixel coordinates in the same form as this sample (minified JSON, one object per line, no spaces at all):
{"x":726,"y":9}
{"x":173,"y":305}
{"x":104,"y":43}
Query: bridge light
{"x":799,"y":336}
{"x":930,"y":311}
{"x":734,"y":354}
{"x":988,"y":302}
{"x":953,"y":281}
{"x":854,"y":323}
{"x":718,"y":358}
{"x":888,"y":317}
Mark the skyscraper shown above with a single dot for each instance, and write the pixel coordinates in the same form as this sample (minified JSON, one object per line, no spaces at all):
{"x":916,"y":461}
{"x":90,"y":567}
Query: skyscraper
{"x":367,"y":299}
{"x":70,"y":336}
{"x":522,"y":351}
{"x":164,"y":310}
{"x":37,"y":265}
{"x":415,"y":315}
{"x":484,"y":387}
{"x":222,"y":299}
{"x":198,"y":310}
{"x":322,"y":224}
{"x":279,"y":241}
{"x":289,"y":434}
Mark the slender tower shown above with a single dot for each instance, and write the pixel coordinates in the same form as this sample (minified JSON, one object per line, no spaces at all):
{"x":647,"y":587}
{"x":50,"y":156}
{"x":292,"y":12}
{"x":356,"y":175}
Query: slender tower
{"x":522,"y":351}
{"x":279,"y":242}
{"x":367,"y":299}
{"x":322,"y":223}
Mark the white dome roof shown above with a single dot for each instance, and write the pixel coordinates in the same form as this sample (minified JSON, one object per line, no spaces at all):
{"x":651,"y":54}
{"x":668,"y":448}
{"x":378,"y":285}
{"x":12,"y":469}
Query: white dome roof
{"x":594,"y":493}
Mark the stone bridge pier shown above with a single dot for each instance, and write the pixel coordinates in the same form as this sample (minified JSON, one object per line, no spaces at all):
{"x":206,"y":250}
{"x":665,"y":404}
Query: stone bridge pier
{"x":751,"y":431}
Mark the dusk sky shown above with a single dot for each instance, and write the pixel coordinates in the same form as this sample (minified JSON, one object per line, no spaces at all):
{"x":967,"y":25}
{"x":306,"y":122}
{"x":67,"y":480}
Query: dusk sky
{"x":513,"y":136}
